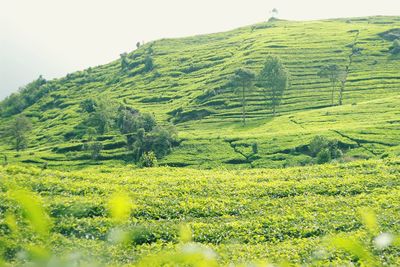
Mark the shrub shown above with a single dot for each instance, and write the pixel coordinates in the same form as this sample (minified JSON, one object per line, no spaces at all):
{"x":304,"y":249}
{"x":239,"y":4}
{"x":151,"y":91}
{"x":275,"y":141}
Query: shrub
{"x":254,"y":148}
{"x":317,"y":144}
{"x":88,"y":105}
{"x":324,"y":156}
{"x":102,"y":116}
{"x":95,"y":149}
{"x":148,"y":159}
{"x":324,"y":150}
{"x":143,"y":134}
{"x":395,"y":48}
{"x":141,"y":235}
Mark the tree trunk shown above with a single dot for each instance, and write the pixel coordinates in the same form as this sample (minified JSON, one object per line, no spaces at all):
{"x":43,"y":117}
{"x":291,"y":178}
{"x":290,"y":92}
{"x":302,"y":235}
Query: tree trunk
{"x":273,"y":102}
{"x":347,"y":70}
{"x":243,"y":106}
{"x":341,"y":93}
{"x":333,"y":91}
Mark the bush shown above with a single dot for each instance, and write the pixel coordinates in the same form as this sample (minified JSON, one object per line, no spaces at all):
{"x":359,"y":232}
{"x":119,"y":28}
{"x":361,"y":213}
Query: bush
{"x":324,"y":156}
{"x":95,"y":149}
{"x":102,"y":114}
{"x":324,"y":150}
{"x":141,"y":235}
{"x":148,"y":159}
{"x":143,"y":134}
{"x":254,"y":148}
{"x":88,"y":105}
{"x":317,"y":144}
{"x":395,"y":48}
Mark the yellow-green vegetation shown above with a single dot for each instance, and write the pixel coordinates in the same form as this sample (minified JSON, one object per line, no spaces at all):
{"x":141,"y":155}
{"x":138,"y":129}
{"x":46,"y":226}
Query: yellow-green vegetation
{"x":315,"y":215}
{"x":186,"y":82}
{"x":289,"y":132}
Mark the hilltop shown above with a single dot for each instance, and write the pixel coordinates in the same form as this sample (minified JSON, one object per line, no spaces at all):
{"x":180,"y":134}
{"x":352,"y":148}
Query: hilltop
{"x":187,"y":84}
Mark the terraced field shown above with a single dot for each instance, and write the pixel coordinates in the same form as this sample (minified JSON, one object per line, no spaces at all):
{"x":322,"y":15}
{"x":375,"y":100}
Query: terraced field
{"x":189,"y":86}
{"x":294,"y":215}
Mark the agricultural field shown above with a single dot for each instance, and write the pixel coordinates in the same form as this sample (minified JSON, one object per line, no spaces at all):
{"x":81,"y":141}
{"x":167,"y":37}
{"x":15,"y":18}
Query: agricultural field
{"x":188,"y":86}
{"x":317,"y":215}
{"x":159,"y":159}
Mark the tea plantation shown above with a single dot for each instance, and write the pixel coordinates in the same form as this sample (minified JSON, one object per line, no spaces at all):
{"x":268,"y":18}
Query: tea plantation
{"x":145,"y":161}
{"x":291,"y":215}
{"x":186,"y":83}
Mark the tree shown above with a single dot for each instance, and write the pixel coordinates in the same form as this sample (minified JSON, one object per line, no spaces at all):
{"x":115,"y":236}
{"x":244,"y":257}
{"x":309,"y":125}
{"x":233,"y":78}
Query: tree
{"x":242,"y":81}
{"x":102,"y":114}
{"x":124,"y":62}
{"x":88,"y":105}
{"x":334,"y":74}
{"x":137,"y":45}
{"x":160,"y":140}
{"x":25,"y":97}
{"x":274,"y":79}
{"x":274,"y":13}
{"x":148,"y":63}
{"x":143,"y":135}
{"x":91,"y":133}
{"x":148,"y":121}
{"x":18,"y":130}
{"x":343,"y":76}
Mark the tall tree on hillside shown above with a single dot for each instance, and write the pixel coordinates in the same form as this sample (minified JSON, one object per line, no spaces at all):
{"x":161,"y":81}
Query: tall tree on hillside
{"x":124,"y":61}
{"x":148,"y":63}
{"x":242,"y":81}
{"x":354,"y":52}
{"x":18,"y":131}
{"x":274,"y":13}
{"x":334,"y":74}
{"x":274,"y":79}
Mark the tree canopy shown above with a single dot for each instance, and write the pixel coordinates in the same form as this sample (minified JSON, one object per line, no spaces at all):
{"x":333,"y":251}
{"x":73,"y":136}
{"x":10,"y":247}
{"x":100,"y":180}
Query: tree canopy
{"x":242,"y":81}
{"x":274,"y":79}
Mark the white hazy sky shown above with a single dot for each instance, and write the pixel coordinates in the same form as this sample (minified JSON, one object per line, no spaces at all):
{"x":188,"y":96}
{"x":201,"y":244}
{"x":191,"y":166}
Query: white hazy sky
{"x":55,"y":37}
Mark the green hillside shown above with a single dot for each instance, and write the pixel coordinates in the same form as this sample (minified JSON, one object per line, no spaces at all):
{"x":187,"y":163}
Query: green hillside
{"x":303,"y":216}
{"x":316,"y":184}
{"x":189,"y":86}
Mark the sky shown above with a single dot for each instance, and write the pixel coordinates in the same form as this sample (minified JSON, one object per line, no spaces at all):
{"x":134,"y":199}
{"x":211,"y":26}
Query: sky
{"x":56,"y":37}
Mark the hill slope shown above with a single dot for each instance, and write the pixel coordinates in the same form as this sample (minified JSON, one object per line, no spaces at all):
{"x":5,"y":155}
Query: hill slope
{"x":188,"y":86}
